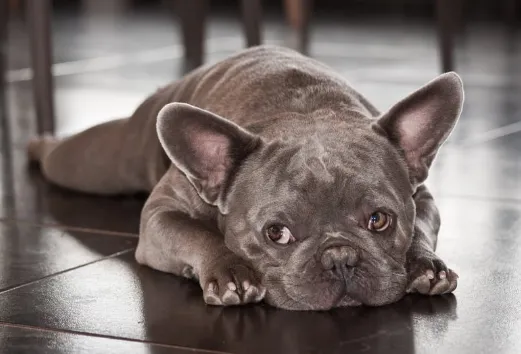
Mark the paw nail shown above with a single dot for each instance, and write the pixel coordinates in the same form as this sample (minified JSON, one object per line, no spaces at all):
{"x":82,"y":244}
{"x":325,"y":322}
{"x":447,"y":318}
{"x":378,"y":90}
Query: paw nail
{"x":261,"y":295}
{"x":245,"y":285}
{"x":430,"y":274}
{"x":232,"y":286}
{"x":442,"y":274}
{"x":211,"y":300}
{"x":211,"y":287}
{"x":231,"y":298}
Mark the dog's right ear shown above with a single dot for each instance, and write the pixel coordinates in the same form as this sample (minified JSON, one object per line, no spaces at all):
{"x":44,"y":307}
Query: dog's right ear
{"x":204,"y":146}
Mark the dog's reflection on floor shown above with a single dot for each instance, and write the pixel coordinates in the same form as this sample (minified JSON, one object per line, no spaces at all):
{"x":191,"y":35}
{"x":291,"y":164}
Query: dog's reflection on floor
{"x":263,"y":329}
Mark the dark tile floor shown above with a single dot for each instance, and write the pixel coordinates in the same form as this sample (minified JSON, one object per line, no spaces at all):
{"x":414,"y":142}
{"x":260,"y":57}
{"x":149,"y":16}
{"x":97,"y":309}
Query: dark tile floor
{"x":68,"y":281}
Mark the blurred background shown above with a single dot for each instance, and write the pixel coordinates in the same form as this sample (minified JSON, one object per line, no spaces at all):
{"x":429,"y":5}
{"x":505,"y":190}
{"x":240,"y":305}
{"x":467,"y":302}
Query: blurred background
{"x":107,"y":55}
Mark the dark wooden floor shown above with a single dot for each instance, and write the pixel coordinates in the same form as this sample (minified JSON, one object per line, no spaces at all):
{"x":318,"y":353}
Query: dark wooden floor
{"x":68,"y":281}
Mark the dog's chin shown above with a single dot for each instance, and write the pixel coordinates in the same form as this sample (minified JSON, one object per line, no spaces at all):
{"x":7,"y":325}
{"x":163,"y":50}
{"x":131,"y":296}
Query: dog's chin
{"x":306,"y":297}
{"x":283,"y":301}
{"x":378,"y":293}
{"x":311,"y":297}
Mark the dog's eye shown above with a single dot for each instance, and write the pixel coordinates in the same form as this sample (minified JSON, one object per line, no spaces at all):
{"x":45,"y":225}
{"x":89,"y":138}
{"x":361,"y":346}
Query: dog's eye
{"x":280,"y":234}
{"x":379,"y":221}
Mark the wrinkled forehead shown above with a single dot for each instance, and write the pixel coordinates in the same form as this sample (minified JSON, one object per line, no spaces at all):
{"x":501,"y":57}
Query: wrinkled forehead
{"x":329,"y":173}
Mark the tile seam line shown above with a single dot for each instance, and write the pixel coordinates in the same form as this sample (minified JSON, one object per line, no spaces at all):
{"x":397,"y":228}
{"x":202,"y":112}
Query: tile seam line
{"x":95,"y":335}
{"x":492,"y":134}
{"x":66,"y":227}
{"x":36,"y":281}
{"x":478,"y":198}
{"x":117,"y":60}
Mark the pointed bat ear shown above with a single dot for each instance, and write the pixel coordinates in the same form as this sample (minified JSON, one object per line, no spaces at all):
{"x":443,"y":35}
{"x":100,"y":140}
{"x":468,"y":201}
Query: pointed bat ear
{"x":204,"y":146}
{"x":422,"y":122}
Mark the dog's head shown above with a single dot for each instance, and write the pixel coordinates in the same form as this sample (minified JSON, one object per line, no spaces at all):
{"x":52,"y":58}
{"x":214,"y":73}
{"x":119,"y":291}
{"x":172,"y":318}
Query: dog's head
{"x":327,"y":218}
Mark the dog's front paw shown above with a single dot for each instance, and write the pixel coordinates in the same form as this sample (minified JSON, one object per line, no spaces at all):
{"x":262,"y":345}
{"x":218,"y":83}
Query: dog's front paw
{"x":231,"y":281}
{"x":429,"y":275}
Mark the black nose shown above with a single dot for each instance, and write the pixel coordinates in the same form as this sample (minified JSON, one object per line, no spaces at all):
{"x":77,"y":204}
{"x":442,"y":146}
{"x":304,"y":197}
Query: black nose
{"x":341,"y":260}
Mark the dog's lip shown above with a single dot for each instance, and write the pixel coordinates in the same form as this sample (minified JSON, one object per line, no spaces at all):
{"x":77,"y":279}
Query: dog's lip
{"x":347,"y":301}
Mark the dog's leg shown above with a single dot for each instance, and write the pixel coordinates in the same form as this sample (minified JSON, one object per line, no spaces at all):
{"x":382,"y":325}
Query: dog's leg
{"x":173,"y":241}
{"x":119,"y":156}
{"x":87,"y":162}
{"x":111,"y":158}
{"x":428,"y":274}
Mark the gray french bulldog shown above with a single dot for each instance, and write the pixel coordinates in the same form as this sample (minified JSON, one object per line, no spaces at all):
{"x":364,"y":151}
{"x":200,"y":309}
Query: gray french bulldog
{"x":271,"y":178}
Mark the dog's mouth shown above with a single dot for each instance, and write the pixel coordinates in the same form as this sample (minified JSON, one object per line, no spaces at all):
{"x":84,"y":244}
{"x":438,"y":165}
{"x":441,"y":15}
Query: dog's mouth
{"x":314,"y":296}
{"x":329,"y":294}
{"x":324,"y":290}
{"x":347,"y":301}
{"x":285,"y":299}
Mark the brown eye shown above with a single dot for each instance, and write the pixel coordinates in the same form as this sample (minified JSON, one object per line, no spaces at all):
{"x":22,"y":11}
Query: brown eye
{"x":379,"y":221}
{"x":280,"y":234}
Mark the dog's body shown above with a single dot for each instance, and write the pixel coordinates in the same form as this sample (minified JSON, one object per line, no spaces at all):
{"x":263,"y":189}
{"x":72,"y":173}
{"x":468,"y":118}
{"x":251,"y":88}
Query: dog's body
{"x":303,"y":192}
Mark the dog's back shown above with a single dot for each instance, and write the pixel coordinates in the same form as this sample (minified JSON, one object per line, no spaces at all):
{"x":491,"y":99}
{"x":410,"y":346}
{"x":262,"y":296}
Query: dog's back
{"x":262,"y":83}
{"x":272,"y":91}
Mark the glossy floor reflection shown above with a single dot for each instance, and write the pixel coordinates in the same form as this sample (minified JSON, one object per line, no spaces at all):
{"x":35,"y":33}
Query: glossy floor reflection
{"x":24,"y":340}
{"x":68,"y":280}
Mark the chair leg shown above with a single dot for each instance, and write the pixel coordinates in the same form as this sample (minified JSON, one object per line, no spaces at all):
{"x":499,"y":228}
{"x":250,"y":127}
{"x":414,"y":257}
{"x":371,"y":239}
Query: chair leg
{"x":510,"y":12}
{"x":4,"y":124}
{"x":446,"y":26}
{"x":39,"y":21}
{"x":298,"y":13}
{"x":3,"y":39}
{"x":192,"y":15}
{"x":251,"y":18}
{"x":6,"y":148}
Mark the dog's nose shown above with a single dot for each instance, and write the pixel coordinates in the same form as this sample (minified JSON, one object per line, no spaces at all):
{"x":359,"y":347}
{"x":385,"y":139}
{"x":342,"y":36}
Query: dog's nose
{"x":341,"y":260}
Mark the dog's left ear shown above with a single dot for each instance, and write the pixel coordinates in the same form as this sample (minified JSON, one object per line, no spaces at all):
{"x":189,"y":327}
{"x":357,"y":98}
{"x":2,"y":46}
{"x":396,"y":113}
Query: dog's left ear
{"x":207,"y":148}
{"x":422,"y":122}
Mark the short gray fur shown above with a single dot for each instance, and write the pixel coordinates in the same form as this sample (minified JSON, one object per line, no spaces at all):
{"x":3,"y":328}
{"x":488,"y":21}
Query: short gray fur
{"x":271,"y":137}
